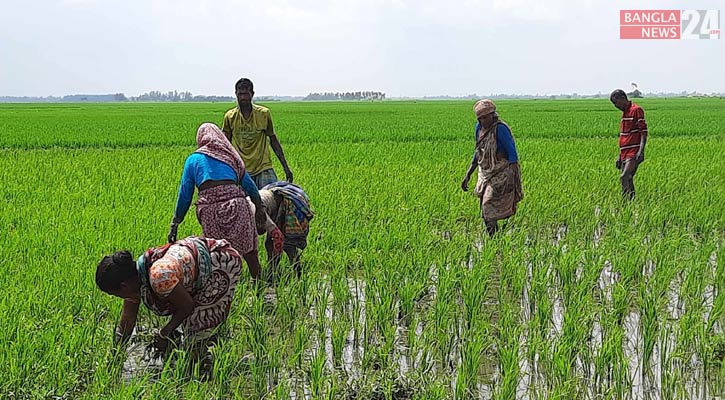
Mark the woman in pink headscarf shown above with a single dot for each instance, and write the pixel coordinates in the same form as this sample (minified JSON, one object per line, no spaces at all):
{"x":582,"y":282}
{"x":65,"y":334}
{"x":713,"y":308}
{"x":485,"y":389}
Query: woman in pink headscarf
{"x":499,"y":179}
{"x":222,"y":210}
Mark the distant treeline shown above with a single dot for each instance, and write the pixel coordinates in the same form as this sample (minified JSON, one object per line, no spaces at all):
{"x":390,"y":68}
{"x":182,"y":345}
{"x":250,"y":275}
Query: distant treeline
{"x":152,"y":96}
{"x":186,"y":96}
{"x":73,"y":98}
{"x":156,"y":95}
{"x":362,"y":95}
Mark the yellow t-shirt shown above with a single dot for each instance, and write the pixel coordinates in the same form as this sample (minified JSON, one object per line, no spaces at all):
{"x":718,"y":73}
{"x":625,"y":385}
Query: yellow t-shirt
{"x":250,"y":137}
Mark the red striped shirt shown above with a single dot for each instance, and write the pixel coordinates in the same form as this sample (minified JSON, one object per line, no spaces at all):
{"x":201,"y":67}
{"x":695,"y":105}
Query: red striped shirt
{"x":631,"y":130}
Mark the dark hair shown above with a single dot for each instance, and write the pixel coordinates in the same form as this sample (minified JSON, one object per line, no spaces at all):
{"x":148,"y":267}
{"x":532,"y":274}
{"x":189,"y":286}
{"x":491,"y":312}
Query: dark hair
{"x":618,"y":94}
{"x":244,"y":83}
{"x":114,"y":269}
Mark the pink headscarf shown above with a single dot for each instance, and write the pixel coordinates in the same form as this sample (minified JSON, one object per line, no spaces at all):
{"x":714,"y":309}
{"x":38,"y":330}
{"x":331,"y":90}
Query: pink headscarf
{"x":212,"y":142}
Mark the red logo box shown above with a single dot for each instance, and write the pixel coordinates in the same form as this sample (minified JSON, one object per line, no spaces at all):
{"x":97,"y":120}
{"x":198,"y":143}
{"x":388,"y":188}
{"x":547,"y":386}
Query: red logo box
{"x":649,"y":24}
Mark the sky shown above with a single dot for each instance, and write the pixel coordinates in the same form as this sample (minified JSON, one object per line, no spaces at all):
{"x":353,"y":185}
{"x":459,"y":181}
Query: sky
{"x":403,"y":48}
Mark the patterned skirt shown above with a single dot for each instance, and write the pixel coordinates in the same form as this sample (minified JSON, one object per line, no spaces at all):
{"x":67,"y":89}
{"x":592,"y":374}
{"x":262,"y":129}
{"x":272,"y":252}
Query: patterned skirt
{"x":224,"y":213}
{"x":208,"y":269}
{"x":295,"y":231}
{"x":214,"y":299}
{"x":499,"y":193}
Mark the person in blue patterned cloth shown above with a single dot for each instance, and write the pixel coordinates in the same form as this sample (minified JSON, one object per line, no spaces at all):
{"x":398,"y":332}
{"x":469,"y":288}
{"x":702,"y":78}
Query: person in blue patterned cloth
{"x":289,"y":208}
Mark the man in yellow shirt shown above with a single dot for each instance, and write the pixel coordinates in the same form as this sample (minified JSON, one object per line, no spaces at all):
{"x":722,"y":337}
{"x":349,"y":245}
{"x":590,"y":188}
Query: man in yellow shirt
{"x":249,"y":128}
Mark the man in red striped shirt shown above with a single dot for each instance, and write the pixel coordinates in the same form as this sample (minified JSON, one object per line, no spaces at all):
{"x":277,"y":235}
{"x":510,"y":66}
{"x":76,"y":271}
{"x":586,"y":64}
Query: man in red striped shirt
{"x":632,"y":139}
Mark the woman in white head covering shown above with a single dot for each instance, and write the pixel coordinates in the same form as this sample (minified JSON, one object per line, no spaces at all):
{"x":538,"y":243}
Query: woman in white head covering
{"x":499,"y":178}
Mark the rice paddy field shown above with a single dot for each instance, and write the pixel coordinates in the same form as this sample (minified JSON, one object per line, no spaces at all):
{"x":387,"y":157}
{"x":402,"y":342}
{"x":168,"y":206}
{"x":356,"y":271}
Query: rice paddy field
{"x":403,"y":296}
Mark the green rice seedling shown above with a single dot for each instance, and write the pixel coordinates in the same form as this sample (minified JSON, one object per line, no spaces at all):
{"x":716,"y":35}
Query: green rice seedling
{"x":413,"y":340}
{"x":274,"y":367}
{"x":508,"y":353}
{"x":669,"y":381}
{"x":387,"y":311}
{"x":258,"y":371}
{"x":288,"y":309}
{"x":409,"y":292}
{"x":340,"y":326}
{"x":301,"y":341}
{"x":320,"y":307}
{"x":340,"y":290}
{"x":370,"y":337}
{"x":472,"y":348}
{"x":715,"y":332}
{"x":472,"y":294}
{"x":569,"y":348}
{"x":435,"y":390}
{"x":442,"y":320}
{"x":359,"y":317}
{"x":282,"y":390}
{"x":316,"y":373}
{"x":541,"y":317}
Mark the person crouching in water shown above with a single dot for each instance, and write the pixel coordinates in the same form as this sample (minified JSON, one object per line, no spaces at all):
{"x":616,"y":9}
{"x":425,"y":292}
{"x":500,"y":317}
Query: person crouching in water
{"x":499,"y":178}
{"x":289,"y":209}
{"x":191,"y":280}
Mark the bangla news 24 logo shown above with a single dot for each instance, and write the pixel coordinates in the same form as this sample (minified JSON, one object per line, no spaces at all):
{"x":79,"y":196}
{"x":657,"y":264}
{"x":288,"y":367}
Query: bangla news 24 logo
{"x":669,"y":24}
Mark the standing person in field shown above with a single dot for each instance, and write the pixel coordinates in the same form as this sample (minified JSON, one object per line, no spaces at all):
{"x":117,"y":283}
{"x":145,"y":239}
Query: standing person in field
{"x":249,"y":128}
{"x":632,"y":139}
{"x":222,"y":209}
{"x":289,"y":208}
{"x":192,"y":280}
{"x":499,"y":178}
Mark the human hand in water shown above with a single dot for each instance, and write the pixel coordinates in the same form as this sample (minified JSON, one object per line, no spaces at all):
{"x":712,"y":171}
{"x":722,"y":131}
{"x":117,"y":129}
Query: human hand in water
{"x":119,"y":338}
{"x":161,"y":343}
{"x":159,"y":346}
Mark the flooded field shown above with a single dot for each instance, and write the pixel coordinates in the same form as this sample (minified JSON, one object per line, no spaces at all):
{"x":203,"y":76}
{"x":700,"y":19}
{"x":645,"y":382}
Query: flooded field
{"x":402,"y":295}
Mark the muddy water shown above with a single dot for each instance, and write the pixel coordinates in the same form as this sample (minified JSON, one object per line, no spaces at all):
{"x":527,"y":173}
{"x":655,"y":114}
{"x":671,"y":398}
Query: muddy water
{"x":139,"y":361}
{"x":645,"y":381}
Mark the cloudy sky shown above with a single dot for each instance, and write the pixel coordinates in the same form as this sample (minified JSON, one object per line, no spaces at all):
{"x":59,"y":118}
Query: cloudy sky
{"x":293,"y":47}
